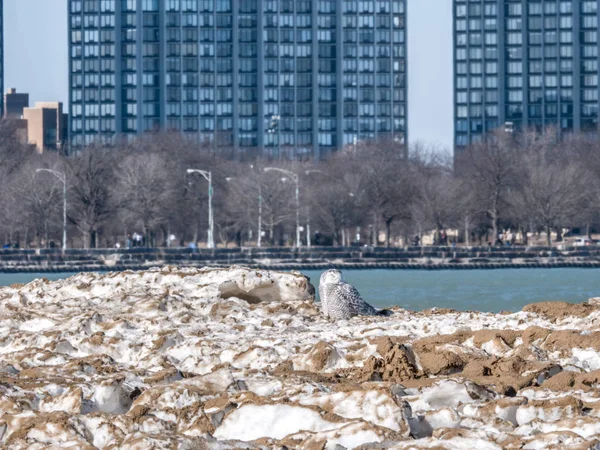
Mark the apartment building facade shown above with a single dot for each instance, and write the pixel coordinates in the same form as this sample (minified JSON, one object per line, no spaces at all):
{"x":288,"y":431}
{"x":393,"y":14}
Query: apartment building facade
{"x":525,"y":65}
{"x":301,"y":76}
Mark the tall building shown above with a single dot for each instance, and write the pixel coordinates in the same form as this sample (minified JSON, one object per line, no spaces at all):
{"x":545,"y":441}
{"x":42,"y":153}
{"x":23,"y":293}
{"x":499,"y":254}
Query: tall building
{"x":2,"y":54}
{"x":275,"y":75}
{"x":525,"y":64}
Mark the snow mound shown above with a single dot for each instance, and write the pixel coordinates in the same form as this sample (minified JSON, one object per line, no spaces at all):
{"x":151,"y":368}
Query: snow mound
{"x":242,"y":359}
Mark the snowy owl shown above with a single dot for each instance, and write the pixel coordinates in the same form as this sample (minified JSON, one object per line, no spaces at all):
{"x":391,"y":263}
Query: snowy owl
{"x":340,"y":300}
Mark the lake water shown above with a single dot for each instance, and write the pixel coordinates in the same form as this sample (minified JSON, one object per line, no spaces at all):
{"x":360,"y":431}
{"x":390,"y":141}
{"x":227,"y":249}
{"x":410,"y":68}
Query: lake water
{"x":476,"y":290}
{"x":472,"y":290}
{"x":6,"y":279}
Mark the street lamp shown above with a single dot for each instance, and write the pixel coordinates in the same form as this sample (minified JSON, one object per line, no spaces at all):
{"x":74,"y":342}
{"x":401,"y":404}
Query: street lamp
{"x":210,"y":243}
{"x":63,"y":178}
{"x":296,"y":180}
{"x":259,"y":237}
{"x":258,"y":242}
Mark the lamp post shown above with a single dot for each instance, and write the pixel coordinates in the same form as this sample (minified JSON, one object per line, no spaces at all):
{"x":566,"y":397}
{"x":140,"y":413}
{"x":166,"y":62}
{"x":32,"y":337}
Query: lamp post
{"x":210,"y":243}
{"x":294,"y":177}
{"x":63,"y":178}
{"x":308,"y":226}
{"x":259,"y":239}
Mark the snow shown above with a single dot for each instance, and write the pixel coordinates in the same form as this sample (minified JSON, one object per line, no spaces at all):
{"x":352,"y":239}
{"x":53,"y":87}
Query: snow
{"x":442,"y":418}
{"x":352,"y":439}
{"x":457,"y":443}
{"x":444,"y":394}
{"x":221,"y":358}
{"x":373,"y":406}
{"x":252,"y":422}
{"x":588,"y":359}
{"x":35,"y":325}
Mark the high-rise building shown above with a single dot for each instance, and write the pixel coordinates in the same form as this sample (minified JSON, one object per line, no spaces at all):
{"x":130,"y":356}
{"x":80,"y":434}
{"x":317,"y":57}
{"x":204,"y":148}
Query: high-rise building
{"x":2,"y":54}
{"x":525,"y":64}
{"x":276,"y":75}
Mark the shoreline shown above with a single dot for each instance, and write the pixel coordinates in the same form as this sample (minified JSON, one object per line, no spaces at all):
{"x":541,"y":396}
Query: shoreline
{"x":307,"y":266}
{"x":314,"y":258}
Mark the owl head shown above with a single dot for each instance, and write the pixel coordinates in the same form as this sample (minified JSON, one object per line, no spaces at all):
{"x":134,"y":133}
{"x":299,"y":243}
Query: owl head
{"x":331,"y":276}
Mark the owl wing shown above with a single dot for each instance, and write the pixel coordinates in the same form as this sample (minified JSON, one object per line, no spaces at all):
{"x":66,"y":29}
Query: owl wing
{"x":353,"y":300}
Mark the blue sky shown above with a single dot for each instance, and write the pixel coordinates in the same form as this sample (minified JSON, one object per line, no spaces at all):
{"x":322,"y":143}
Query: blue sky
{"x":35,"y":45}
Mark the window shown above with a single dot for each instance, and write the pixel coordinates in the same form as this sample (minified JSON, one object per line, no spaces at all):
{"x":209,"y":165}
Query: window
{"x":535,"y":9}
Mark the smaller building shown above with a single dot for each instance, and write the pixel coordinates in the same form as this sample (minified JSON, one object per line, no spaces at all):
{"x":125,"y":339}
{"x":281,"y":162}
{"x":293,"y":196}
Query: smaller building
{"x":14,"y":104}
{"x":46,"y":125}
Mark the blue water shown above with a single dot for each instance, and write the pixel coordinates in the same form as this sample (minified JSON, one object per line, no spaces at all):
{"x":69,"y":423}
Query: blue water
{"x":6,"y":279}
{"x":471,"y":290}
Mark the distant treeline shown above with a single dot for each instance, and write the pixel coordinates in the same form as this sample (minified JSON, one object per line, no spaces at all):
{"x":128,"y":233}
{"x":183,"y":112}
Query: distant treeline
{"x":370,"y":193}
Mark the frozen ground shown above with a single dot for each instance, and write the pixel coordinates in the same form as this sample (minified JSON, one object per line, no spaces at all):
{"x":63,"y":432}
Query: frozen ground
{"x":238,"y":358}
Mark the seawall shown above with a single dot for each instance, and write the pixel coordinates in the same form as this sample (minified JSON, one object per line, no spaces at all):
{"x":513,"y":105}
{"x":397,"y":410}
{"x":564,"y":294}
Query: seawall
{"x":314,"y":258}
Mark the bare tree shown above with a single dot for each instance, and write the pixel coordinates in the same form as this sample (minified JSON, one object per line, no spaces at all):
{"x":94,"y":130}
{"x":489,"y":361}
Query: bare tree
{"x":437,"y":191}
{"x":489,"y":168}
{"x":91,"y":174}
{"x":13,"y":153}
{"x":551,"y":186}
{"x":585,"y":149}
{"x":14,"y":156}
{"x":143,"y":189}
{"x":336,"y":195}
{"x":390,"y":183}
{"x":522,"y":180}
{"x":38,"y":197}
{"x":278,"y":203}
